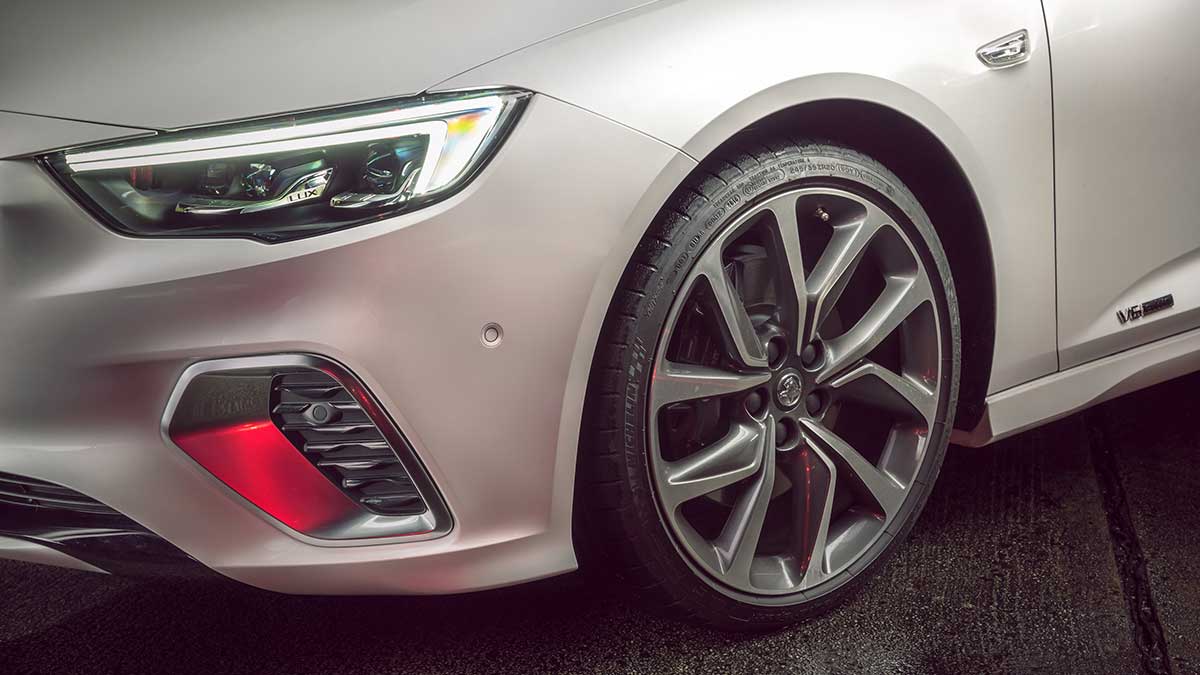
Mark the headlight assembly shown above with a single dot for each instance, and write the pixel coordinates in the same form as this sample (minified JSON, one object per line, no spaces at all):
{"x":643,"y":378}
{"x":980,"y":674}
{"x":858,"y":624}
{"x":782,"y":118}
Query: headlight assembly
{"x":293,"y":176}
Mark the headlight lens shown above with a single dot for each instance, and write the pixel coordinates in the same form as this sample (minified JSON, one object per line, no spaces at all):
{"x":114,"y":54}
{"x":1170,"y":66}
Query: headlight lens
{"x":292,"y":176}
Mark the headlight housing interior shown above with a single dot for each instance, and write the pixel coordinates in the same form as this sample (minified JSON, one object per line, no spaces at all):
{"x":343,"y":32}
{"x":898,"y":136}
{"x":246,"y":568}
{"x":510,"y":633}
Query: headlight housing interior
{"x":294,"y":176}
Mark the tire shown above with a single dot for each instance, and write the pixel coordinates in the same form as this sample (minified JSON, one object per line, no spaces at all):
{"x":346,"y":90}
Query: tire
{"x":681,"y":400}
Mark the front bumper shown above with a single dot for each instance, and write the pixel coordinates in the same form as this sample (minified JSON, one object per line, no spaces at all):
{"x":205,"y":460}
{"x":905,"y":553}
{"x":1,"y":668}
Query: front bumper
{"x":98,"y":327}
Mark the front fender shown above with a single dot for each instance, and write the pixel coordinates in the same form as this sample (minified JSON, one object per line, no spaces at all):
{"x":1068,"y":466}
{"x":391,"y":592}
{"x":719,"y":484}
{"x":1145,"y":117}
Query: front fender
{"x":693,"y":73}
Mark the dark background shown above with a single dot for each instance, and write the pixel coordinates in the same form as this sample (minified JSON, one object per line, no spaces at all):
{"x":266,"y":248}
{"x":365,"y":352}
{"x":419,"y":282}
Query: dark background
{"x":1069,"y":549}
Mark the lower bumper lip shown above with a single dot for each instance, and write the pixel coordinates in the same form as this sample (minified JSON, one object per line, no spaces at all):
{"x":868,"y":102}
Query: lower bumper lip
{"x":93,"y":540}
{"x":13,"y":548}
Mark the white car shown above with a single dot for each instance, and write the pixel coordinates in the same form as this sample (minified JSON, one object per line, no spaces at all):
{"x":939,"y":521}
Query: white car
{"x":425,"y":297}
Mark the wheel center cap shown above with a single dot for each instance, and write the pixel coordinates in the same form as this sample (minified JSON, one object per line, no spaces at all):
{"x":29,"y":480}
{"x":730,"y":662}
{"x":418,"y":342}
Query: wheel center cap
{"x":789,"y":390}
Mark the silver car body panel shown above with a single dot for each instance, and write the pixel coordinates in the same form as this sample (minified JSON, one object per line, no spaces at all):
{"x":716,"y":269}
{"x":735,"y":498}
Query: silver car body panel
{"x":694,"y":96}
{"x":22,"y":134}
{"x":1055,"y":396}
{"x":98,"y":327}
{"x":1128,"y":140}
{"x":166,"y":65}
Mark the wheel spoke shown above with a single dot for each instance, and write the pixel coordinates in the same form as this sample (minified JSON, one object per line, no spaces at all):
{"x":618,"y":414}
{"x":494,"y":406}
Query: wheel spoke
{"x":887,"y":492}
{"x":675,"y":382}
{"x":737,"y":330}
{"x":736,"y":456}
{"x":739,"y":538}
{"x":914,"y":394}
{"x":699,"y":546}
{"x":836,"y":266}
{"x":813,"y":479}
{"x":789,"y":265}
{"x":900,"y":297}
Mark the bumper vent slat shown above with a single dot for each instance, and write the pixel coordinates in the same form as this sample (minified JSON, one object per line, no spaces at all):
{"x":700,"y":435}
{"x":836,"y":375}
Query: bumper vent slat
{"x":336,"y":446}
{"x":364,"y":431}
{"x":356,"y":457}
{"x":352,"y":478}
{"x":346,"y":446}
{"x":388,"y":503}
{"x":24,"y":491}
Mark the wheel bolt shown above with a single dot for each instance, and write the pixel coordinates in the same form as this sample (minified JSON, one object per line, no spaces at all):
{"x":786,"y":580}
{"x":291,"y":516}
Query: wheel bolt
{"x":772,"y":351}
{"x":781,"y":433}
{"x":777,"y":348}
{"x":808,"y":355}
{"x":754,"y":403}
{"x":812,"y":403}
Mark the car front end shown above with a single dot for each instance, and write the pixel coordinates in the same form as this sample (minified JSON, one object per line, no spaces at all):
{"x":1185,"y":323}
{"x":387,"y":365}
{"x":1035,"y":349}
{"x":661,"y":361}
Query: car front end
{"x":171,"y":336}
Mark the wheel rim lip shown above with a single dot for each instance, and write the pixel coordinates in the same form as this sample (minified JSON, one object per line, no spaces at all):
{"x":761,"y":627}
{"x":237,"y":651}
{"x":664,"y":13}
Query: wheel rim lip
{"x":873,"y":548}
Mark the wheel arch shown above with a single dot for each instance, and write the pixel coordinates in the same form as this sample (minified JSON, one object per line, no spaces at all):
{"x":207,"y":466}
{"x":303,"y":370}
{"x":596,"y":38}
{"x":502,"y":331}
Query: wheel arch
{"x":916,"y":139}
{"x":924,"y":162}
{"x":694,"y":98}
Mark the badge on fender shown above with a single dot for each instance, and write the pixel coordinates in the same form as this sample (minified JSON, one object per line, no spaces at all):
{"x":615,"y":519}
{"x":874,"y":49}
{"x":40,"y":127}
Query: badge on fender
{"x":1146,"y":308}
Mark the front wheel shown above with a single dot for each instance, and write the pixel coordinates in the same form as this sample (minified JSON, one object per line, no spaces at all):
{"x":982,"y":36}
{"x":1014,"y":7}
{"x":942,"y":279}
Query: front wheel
{"x":774,"y":387}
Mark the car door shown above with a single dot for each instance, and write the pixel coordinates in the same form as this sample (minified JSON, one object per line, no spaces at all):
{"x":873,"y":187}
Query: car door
{"x":1126,"y":83}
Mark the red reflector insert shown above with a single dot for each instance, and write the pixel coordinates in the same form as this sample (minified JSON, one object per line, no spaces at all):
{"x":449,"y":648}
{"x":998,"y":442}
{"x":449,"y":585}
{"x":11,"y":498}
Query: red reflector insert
{"x":260,"y":464}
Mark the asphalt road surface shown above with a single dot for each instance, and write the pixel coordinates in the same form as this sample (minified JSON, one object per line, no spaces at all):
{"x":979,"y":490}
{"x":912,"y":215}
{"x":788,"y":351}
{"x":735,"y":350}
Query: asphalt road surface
{"x":1070,"y":549}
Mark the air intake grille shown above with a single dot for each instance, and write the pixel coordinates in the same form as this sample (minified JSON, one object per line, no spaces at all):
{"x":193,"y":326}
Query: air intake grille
{"x":325,"y":422}
{"x":41,"y":494}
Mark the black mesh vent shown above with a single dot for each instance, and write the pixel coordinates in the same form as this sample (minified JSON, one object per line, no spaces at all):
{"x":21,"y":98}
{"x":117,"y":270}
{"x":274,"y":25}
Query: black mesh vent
{"x":327,"y":424}
{"x":41,"y":494}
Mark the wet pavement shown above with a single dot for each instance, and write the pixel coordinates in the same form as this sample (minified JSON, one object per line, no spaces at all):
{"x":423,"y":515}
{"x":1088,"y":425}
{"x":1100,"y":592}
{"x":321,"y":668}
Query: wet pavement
{"x":1028,"y":559}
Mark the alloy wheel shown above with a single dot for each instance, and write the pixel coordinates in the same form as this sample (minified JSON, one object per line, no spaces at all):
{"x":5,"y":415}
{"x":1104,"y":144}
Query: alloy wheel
{"x":795,"y":385}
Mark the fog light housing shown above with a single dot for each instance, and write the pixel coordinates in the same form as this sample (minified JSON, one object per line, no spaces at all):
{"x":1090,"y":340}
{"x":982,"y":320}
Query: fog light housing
{"x":302,"y":440}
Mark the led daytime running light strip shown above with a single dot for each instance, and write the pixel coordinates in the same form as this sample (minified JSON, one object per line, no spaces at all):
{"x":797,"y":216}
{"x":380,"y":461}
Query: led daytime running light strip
{"x":376,"y":126}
